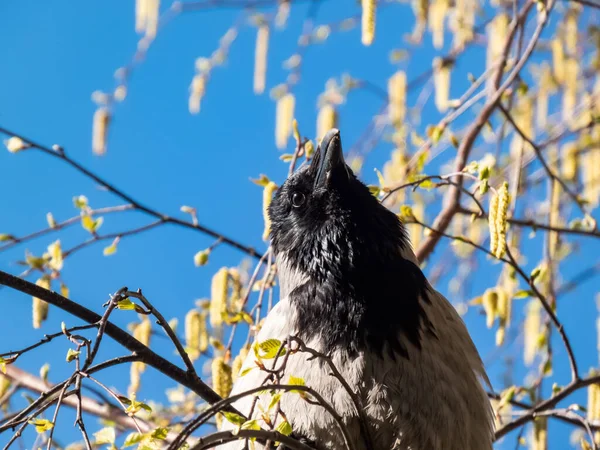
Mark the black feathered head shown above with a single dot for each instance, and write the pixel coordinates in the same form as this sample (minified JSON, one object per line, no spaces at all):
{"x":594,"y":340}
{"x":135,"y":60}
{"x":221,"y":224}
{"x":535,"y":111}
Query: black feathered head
{"x":356,"y":285}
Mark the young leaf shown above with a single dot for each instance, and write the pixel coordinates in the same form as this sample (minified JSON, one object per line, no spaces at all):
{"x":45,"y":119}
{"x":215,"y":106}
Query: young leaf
{"x":284,"y":428}
{"x":270,"y":348}
{"x":250,"y":425}
{"x":41,"y":425}
{"x":132,"y":439}
{"x":234,"y":418}
{"x":72,"y":354}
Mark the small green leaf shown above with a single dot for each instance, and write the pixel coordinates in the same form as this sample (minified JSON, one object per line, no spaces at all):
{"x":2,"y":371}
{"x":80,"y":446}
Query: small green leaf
{"x":284,"y":428}
{"x":110,"y":250}
{"x":270,"y":348}
{"x":297,"y":381}
{"x":90,"y":224}
{"x":535,"y":273}
{"x":274,"y":401}
{"x":286,"y":157}
{"x":233,"y":418}
{"x":132,"y":439}
{"x":135,"y":406}
{"x":6,"y":237}
{"x":41,"y":425}
{"x":374,"y":190}
{"x":80,"y":202}
{"x":160,"y":433}
{"x":406,"y":212}
{"x":262,"y":180}
{"x":250,"y":425}
{"x":72,"y":354}
{"x":126,"y":304}
{"x":246,"y":371}
{"x":484,"y":174}
{"x":523,"y":294}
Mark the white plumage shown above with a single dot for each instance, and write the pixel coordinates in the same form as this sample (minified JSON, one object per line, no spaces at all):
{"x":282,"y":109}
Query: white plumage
{"x":433,"y":400}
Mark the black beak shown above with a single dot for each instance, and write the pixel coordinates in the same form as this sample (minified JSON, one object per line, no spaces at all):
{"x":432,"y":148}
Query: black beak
{"x":329,"y":158}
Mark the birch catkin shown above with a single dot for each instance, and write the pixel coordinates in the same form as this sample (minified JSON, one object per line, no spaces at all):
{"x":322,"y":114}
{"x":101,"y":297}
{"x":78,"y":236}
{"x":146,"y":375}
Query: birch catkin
{"x":284,"y":115}
{"x":218,"y":299}
{"x":441,"y":82}
{"x":268,"y":192}
{"x":100,"y":130}
{"x":40,"y":307}
{"x":397,"y":98}
{"x":260,"y":58}
{"x":326,"y":120}
{"x":368,"y":21}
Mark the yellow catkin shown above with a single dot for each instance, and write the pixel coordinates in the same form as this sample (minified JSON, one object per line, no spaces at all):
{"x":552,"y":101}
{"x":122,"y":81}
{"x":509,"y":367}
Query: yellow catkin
{"x":539,"y":439}
{"x":141,"y":11}
{"x":570,"y":28}
{"x":593,"y":401}
{"x":504,"y":305}
{"x":40,"y":307}
{"x":197,"y":89}
{"x":100,"y":130}
{"x":463,"y":22}
{"x":221,"y":376}
{"x":235,"y":279}
{"x":501,"y":220}
{"x":368,"y":21}
{"x":260,"y":58}
{"x":504,"y":312}
{"x":493,"y":212}
{"x":268,"y":192}
{"x":222,"y":381}
{"x":489,"y":300}
{"x":546,"y":87}
{"x":151,"y":22}
{"x":142,"y":333}
{"x":438,"y":9}
{"x":531,"y":331}
{"x":283,"y":13}
{"x":284,"y":116}
{"x":238,"y":362}
{"x":415,"y":230}
{"x":196,"y":333}
{"x":441,"y":82}
{"x":394,"y":171}
{"x":554,"y":216}
{"x":397,"y":98}
{"x":570,"y":91}
{"x":218,"y":299}
{"x":497,"y":32}
{"x":558,"y":60}
{"x":326,"y":120}
{"x":569,"y":161}
{"x":590,"y":170}
{"x":134,"y":378}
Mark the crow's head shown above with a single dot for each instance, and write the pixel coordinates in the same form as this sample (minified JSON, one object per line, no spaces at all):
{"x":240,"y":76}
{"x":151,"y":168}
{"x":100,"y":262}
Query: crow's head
{"x":344,"y":258}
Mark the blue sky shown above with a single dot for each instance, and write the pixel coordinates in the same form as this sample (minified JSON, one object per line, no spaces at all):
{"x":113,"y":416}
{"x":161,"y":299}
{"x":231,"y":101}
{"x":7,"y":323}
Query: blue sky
{"x":55,"y":54}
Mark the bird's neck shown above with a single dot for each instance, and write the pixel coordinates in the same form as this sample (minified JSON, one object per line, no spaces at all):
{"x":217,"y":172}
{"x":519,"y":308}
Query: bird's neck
{"x":375,"y":305}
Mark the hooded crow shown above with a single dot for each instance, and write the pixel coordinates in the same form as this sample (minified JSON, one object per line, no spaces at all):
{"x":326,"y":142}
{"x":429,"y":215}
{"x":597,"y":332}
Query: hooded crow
{"x":351,"y":288}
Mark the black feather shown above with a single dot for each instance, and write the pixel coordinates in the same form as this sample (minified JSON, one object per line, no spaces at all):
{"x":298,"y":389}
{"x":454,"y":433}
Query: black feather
{"x":361,"y":293}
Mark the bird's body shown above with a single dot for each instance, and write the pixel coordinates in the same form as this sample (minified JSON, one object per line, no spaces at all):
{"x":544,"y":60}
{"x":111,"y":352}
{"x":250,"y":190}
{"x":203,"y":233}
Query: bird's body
{"x":351,"y":289}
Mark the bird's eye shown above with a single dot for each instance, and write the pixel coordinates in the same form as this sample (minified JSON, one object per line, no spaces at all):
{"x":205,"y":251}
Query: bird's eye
{"x":298,"y":199}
